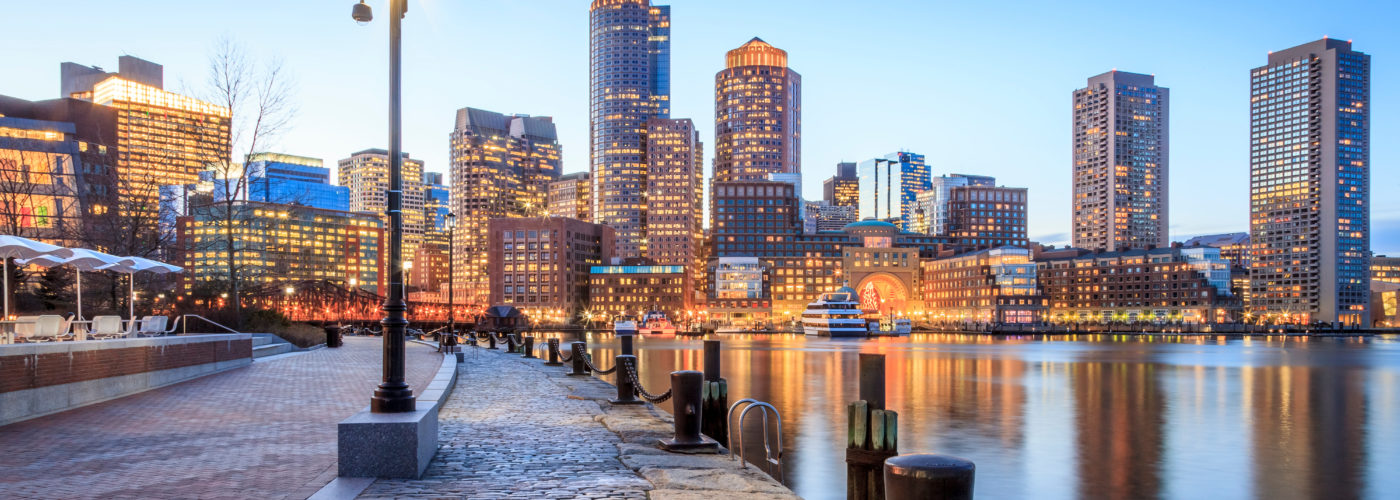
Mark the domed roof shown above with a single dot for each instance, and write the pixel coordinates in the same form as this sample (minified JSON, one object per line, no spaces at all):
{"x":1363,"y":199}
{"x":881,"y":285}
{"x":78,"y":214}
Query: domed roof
{"x":870,"y":223}
{"x":847,"y":289}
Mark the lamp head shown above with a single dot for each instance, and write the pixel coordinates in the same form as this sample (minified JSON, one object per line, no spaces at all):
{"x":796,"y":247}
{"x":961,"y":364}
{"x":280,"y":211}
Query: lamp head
{"x":361,"y":13}
{"x":451,"y":220}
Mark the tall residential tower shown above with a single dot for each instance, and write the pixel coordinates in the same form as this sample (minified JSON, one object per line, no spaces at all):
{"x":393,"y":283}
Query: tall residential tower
{"x":758,"y":115}
{"x":1120,"y":148}
{"x":1309,"y":155}
{"x":629,"y":83}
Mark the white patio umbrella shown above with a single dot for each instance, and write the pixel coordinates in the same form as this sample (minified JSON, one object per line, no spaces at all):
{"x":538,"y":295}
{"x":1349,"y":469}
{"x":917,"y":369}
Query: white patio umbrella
{"x":133,"y":265}
{"x":23,"y":248}
{"x":81,"y":259}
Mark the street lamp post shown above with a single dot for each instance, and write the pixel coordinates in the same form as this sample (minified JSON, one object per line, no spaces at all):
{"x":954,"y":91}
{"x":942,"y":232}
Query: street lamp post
{"x":451,"y":300}
{"x":393,"y":394}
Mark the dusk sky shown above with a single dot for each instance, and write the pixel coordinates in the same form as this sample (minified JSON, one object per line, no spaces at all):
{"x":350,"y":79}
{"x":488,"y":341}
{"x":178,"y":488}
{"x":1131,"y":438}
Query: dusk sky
{"x":979,"y":89}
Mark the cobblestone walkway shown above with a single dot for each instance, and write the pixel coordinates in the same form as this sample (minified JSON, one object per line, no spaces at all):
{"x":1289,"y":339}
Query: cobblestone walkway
{"x":513,"y":430}
{"x":264,"y":431}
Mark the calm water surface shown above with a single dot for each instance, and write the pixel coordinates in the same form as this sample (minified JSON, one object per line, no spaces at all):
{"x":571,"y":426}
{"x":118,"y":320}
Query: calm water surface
{"x":1083,"y":417}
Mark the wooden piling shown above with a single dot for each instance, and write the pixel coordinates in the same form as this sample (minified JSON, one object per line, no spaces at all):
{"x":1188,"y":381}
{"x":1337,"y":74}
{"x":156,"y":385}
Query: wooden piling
{"x":872,"y":433}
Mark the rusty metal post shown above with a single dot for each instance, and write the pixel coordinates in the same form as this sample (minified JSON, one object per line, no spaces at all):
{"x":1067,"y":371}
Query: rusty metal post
{"x":872,"y":435}
{"x":715,"y":397}
{"x":529,"y":347}
{"x":687,"y":409}
{"x":626,"y":341}
{"x":924,"y":475}
{"x":626,"y":392}
{"x":553,"y":353}
{"x":580,"y":369}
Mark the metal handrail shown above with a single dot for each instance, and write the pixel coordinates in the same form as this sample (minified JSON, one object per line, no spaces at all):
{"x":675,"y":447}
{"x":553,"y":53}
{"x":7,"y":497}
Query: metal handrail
{"x":186,"y":324}
{"x":775,"y":458}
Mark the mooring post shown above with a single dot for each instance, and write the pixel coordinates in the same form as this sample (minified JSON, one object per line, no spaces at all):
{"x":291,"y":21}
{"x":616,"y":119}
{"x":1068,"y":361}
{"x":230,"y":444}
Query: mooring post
{"x":512,"y":345}
{"x":715,"y":397}
{"x":923,"y":475}
{"x":553,"y":353}
{"x":626,"y":392}
{"x":491,"y":340}
{"x":872,"y":435}
{"x":687,"y":409}
{"x":626,"y":341}
{"x":580,"y":349}
{"x":529,"y":347}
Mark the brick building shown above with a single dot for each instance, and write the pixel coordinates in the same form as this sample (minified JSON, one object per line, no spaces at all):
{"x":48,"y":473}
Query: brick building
{"x":540,"y":265}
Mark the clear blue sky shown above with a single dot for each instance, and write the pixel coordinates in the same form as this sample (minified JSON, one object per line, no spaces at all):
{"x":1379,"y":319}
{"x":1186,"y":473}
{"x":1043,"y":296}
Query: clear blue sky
{"x":978,"y":87}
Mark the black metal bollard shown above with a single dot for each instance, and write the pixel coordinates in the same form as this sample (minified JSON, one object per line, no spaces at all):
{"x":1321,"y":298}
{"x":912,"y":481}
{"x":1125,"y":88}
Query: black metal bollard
{"x":529,"y":347}
{"x":553,"y":353}
{"x":626,"y":392}
{"x":580,"y":369}
{"x":715,"y":397}
{"x":490,"y":340}
{"x":923,"y":475}
{"x":687,"y":408}
{"x":471,"y":338}
{"x":626,"y":341}
{"x":512,"y":346}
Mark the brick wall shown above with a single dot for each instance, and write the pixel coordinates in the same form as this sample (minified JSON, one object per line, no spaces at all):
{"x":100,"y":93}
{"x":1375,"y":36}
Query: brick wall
{"x":31,"y":371}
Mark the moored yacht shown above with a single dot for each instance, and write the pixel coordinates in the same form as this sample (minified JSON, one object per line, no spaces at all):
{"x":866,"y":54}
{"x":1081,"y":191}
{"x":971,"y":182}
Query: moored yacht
{"x":655,"y":323}
{"x":624,"y":326}
{"x":835,"y":314}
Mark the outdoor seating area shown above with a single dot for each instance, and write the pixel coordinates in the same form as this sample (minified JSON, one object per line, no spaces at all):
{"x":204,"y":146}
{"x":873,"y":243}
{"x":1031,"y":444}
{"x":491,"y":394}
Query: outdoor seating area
{"x":74,"y":325}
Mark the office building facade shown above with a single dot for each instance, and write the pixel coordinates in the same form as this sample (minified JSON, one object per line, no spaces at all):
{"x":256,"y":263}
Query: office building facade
{"x":572,"y":196}
{"x":629,"y":83}
{"x":1310,"y":184}
{"x":889,"y":187}
{"x":931,"y":206}
{"x":1156,"y":286}
{"x":758,"y":115}
{"x":501,"y":166}
{"x":282,"y":243}
{"x":290,"y":180}
{"x":635,"y":290}
{"x":541,"y":264}
{"x":40,"y":191}
{"x":996,"y":285}
{"x":1120,"y":163}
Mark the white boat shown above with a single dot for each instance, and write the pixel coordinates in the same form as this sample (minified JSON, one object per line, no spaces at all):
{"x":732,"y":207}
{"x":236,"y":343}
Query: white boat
{"x":624,"y":327}
{"x":655,"y":323}
{"x":892,"y":327}
{"x":835,"y":314}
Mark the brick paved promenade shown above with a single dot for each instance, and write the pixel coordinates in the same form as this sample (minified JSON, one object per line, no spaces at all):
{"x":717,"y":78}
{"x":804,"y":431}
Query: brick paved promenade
{"x":265,"y":431}
{"x":514,"y":428}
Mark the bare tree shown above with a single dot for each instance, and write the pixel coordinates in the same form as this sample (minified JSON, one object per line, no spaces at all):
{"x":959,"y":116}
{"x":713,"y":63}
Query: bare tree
{"x":259,"y":98}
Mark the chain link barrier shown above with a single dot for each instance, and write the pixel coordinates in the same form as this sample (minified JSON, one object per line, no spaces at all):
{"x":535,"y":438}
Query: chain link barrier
{"x":566,"y":358}
{"x":637,"y":384}
{"x":588,"y":361}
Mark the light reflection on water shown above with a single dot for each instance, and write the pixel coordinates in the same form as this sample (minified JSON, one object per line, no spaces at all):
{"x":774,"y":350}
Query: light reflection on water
{"x":1081,"y":417}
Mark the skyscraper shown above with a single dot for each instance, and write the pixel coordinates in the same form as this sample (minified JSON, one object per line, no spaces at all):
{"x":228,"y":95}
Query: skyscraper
{"x":987,"y":216}
{"x":502,"y":166}
{"x":289,"y":179}
{"x":842,"y":189}
{"x":366,"y":173}
{"x":758,"y":115}
{"x":1120,"y":156}
{"x":675,"y":188}
{"x":1310,"y":222}
{"x":889,"y":187}
{"x":429,"y":272}
{"x":629,"y":83}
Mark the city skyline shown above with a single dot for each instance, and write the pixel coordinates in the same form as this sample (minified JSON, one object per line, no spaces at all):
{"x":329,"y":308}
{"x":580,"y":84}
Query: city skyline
{"x":1209,"y":115}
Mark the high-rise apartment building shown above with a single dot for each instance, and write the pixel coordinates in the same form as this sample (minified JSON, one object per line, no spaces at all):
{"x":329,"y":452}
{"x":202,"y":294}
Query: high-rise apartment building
{"x":572,"y":196}
{"x":889,"y":187}
{"x":822,"y":216}
{"x":629,"y":83}
{"x":366,"y":174}
{"x":842,"y":189}
{"x":675,"y":188}
{"x":429,"y":271}
{"x":1309,"y":150}
{"x":987,"y":216}
{"x":502,"y":166}
{"x":1120,"y":157}
{"x":162,"y":137}
{"x":758,"y":115}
